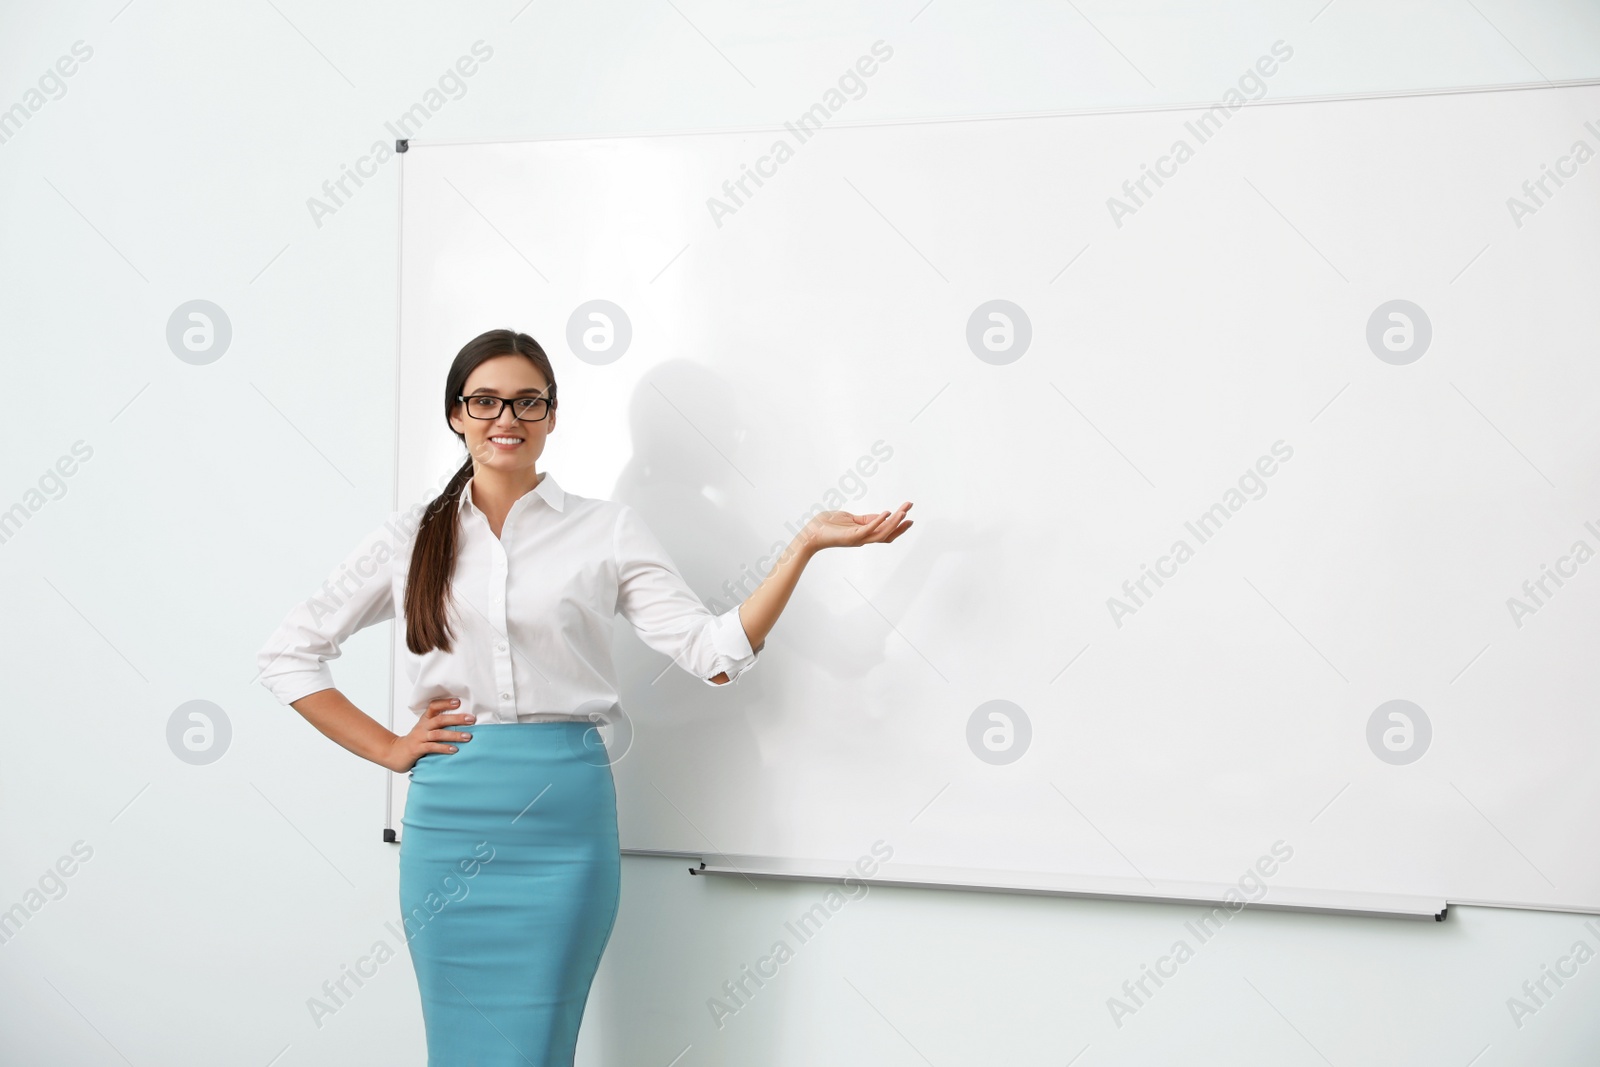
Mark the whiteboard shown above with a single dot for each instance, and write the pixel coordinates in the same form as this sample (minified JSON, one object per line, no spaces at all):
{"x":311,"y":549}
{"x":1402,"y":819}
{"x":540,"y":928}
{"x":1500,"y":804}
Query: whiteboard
{"x":1226,"y":492}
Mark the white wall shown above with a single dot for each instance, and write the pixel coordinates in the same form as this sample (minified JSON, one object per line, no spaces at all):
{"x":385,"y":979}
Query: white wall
{"x":216,"y":899}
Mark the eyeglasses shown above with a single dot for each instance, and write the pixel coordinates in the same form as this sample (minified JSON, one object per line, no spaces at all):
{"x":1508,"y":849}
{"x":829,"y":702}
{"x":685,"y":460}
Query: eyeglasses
{"x":525,"y":408}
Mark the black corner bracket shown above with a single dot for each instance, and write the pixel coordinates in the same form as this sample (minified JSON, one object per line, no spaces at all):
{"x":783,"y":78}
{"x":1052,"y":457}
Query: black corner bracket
{"x":402,"y":146}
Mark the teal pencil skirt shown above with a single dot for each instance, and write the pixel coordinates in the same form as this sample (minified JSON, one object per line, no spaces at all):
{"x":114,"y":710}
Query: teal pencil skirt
{"x":509,"y":880}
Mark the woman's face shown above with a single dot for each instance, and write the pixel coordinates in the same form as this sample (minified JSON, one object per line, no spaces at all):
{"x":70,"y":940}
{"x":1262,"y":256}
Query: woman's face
{"x":504,"y":443}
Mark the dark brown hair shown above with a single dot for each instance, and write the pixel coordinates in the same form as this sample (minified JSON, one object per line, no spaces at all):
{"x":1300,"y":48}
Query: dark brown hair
{"x":433,"y":557}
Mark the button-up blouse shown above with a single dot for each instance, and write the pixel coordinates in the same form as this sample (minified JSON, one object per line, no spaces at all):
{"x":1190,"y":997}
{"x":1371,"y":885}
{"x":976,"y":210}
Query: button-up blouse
{"x":531,"y":612}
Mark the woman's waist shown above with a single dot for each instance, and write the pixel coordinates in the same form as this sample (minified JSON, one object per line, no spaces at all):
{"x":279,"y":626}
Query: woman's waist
{"x":515,"y":746}
{"x":505,"y":704}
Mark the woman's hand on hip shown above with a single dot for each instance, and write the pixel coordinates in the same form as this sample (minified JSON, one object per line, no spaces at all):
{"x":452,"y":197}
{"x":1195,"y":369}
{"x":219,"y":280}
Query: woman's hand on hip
{"x":431,"y":734}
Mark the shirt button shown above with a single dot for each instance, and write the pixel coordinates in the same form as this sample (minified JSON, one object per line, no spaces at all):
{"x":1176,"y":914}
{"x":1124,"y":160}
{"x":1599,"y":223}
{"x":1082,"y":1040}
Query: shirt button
{"x":501,"y":646}
{"x":505,"y":696}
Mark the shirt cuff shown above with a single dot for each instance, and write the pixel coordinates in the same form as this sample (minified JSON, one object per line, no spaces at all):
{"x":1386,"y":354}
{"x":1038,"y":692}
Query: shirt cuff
{"x":732,"y":645}
{"x":288,"y":688}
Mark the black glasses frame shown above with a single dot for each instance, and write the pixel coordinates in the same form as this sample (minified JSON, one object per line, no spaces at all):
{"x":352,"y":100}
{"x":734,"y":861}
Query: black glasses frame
{"x":503,"y":402}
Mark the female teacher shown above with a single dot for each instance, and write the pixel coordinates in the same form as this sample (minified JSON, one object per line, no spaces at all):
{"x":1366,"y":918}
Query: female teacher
{"x":509,"y":863}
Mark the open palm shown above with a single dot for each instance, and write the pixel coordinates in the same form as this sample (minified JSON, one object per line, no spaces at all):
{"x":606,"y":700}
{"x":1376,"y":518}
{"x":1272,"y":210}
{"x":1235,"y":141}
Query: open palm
{"x":841,"y":529}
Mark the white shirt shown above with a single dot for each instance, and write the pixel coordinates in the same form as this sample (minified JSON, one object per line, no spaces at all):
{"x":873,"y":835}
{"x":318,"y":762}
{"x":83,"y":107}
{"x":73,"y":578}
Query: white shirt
{"x":531,"y":611}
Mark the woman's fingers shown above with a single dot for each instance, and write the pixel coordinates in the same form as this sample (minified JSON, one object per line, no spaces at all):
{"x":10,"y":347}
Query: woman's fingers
{"x":447,"y":709}
{"x":873,"y":525}
{"x":876,"y":523}
{"x":887,"y":528}
{"x":444,"y":711}
{"x":890,"y":532}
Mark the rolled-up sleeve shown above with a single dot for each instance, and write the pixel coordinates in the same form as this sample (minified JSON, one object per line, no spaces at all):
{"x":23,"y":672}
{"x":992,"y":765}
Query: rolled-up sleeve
{"x":654,"y":597}
{"x":357,"y":594}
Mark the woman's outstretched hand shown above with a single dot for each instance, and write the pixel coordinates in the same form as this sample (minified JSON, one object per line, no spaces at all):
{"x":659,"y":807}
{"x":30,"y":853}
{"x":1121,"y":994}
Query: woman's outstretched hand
{"x":830,"y":529}
{"x":841,"y":529}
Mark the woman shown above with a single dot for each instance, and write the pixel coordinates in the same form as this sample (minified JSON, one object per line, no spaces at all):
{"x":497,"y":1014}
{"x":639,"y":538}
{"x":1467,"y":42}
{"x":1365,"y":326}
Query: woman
{"x":509,"y":864}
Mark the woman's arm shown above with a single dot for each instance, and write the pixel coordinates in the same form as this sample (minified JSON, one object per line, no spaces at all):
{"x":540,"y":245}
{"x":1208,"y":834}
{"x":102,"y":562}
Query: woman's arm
{"x":331,"y":712}
{"x":358,"y":593}
{"x":831,"y":529}
{"x":293,"y":664}
{"x":669,"y":617}
{"x":760,"y":610}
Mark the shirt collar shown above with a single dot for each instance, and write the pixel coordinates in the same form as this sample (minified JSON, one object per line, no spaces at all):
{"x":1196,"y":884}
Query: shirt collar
{"x":547,"y":489}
